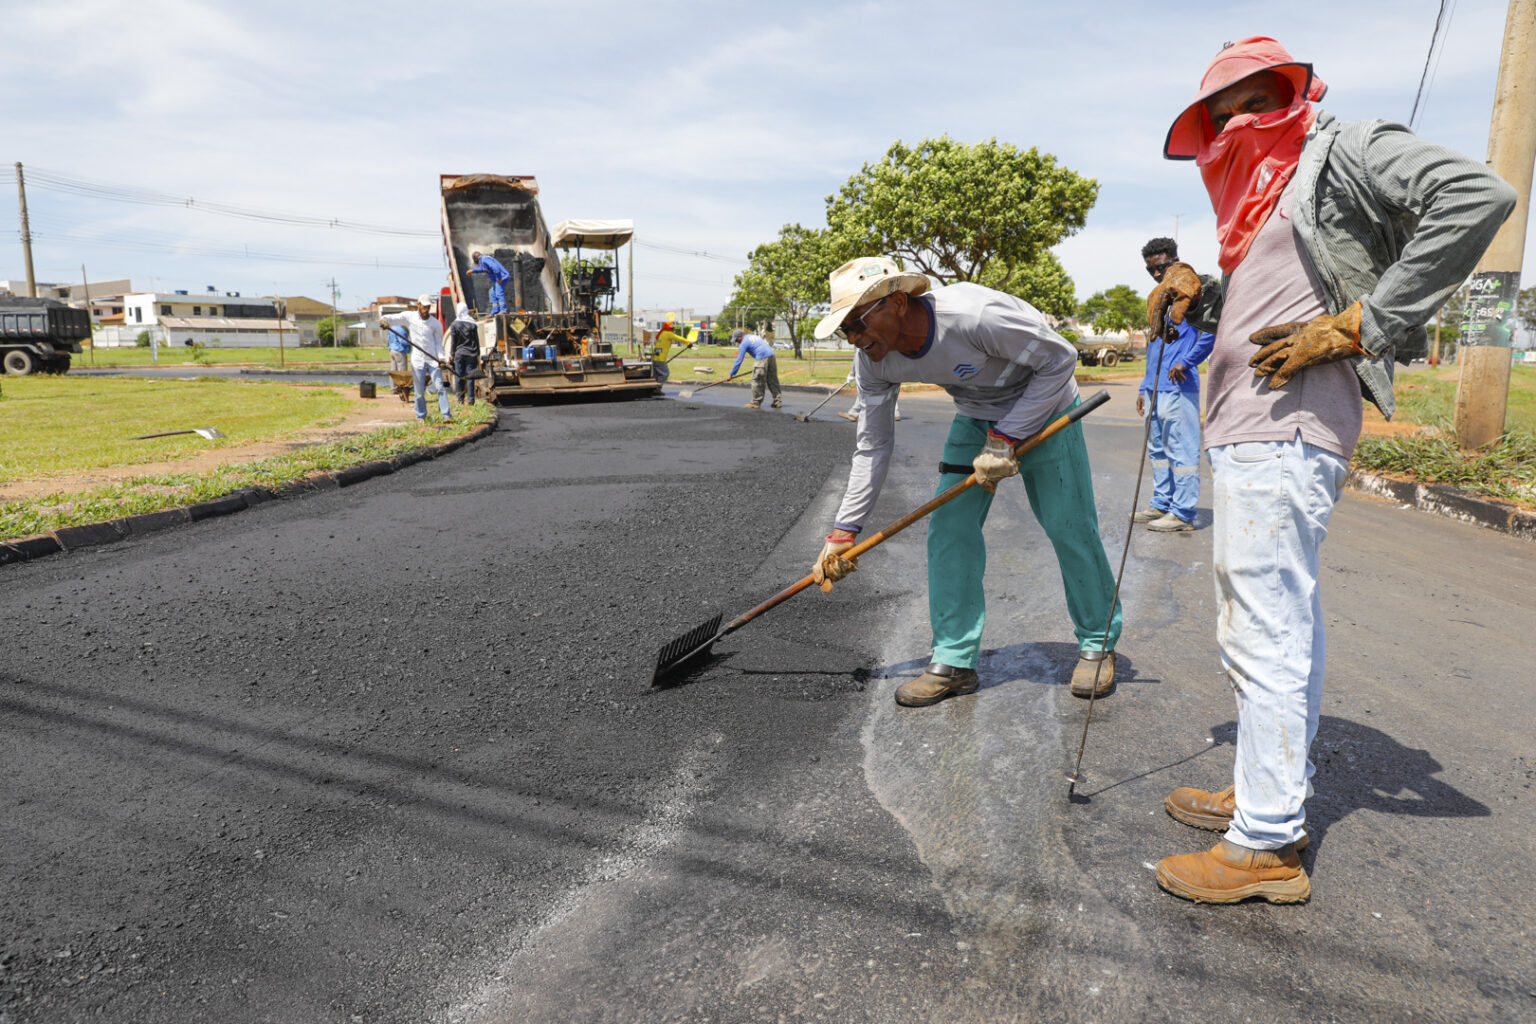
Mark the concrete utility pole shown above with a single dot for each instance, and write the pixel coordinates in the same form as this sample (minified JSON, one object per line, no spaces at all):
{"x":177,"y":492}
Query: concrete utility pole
{"x":334,"y":299}
{"x":1482,"y":392}
{"x":631,"y":248}
{"x":26,"y":233}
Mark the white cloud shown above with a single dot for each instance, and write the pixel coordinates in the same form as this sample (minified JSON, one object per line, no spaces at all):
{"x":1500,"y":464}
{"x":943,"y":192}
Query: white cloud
{"x":710,"y":123}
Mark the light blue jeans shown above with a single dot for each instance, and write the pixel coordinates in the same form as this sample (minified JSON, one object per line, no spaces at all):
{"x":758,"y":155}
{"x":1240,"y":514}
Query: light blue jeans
{"x":1272,"y":502}
{"x":1173,"y":445}
{"x":419,"y":375}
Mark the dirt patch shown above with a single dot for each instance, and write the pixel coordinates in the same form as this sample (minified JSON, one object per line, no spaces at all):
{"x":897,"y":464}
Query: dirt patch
{"x":363,"y":416}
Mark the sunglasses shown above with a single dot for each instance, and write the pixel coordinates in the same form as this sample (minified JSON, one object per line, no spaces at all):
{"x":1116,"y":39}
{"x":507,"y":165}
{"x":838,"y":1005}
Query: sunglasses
{"x":855,"y":324}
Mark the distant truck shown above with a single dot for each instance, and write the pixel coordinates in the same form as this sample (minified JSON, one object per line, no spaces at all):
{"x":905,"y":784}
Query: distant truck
{"x":1104,"y":351}
{"x":39,"y":335}
{"x":550,"y":342}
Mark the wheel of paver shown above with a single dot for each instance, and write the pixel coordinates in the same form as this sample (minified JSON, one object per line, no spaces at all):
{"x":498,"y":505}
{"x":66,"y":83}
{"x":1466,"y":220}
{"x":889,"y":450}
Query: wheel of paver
{"x":1111,"y":357}
{"x":19,"y":363}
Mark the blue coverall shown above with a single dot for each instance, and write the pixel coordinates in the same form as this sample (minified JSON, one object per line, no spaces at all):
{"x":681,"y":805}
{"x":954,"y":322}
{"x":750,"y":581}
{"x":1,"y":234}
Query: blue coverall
{"x":492,"y":268}
{"x":1173,"y":444}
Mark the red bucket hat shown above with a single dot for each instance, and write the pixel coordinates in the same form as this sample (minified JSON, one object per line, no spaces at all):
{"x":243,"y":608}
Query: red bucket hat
{"x":1236,"y":61}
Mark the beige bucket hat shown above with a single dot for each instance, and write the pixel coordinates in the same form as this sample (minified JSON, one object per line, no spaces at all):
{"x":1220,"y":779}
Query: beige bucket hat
{"x":863,"y":280}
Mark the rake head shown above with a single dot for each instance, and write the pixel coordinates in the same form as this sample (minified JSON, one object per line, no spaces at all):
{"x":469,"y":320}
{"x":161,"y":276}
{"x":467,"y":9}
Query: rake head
{"x":691,"y":646}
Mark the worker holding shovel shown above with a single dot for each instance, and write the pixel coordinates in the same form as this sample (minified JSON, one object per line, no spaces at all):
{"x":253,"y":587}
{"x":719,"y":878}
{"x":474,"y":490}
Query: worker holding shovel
{"x":1009,"y":374}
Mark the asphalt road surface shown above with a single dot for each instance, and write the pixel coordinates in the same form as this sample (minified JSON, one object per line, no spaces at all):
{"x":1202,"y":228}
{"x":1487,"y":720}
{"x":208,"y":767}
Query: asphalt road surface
{"x":389,"y":754}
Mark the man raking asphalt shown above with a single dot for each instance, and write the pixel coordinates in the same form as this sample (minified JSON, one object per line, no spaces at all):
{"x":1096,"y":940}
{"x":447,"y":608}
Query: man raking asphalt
{"x":1009,"y":374}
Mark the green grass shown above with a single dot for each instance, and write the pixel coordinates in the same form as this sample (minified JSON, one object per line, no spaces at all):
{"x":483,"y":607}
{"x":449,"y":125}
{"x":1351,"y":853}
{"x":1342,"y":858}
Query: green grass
{"x":180,"y":355}
{"x":1504,"y":469}
{"x":55,"y":425}
{"x":1428,"y":396}
{"x":152,"y":493}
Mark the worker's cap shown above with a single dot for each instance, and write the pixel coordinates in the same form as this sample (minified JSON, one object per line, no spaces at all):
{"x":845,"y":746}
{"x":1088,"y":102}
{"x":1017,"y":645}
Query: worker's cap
{"x":1193,"y":128}
{"x":738,"y":334}
{"x":863,"y":280}
{"x":426,"y":300}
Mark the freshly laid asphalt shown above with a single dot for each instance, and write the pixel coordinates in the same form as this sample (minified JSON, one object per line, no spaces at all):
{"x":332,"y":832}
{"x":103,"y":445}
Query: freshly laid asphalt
{"x":389,"y":753}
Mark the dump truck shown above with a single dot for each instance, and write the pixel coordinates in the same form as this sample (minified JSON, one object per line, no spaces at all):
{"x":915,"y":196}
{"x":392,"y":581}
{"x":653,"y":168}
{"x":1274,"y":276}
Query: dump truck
{"x":1098,"y":351}
{"x":549,"y":342}
{"x":39,"y":335}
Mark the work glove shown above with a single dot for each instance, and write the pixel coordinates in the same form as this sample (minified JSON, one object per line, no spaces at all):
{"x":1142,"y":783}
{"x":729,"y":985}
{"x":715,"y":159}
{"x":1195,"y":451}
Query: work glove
{"x":831,"y":566}
{"x":1171,"y":299}
{"x":996,"y":462}
{"x":1290,"y":348}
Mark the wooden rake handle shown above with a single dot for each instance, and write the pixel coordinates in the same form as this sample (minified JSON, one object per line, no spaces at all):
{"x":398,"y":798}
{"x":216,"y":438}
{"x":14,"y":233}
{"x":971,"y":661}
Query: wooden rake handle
{"x":1057,"y":425}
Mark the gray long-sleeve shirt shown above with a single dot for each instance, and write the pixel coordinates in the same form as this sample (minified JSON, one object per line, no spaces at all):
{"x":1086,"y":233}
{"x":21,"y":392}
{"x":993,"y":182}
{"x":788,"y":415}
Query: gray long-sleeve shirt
{"x":995,"y":355}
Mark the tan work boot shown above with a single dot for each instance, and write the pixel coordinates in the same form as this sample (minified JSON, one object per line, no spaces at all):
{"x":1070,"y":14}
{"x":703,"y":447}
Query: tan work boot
{"x":1148,"y":514}
{"x":1201,"y":809}
{"x":1089,"y":662}
{"x":849,"y":416}
{"x":1171,"y":523}
{"x":778,"y":403}
{"x":1228,"y":873}
{"x":752,"y":405}
{"x":1211,"y":811}
{"x":936,"y":683}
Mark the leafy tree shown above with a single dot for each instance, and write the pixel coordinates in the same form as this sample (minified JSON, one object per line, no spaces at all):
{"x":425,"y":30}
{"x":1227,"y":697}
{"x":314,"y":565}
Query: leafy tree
{"x":1525,"y":308}
{"x":141,"y":340}
{"x":325,"y":332}
{"x":1043,"y":283}
{"x":786,"y":278}
{"x":1115,"y":309}
{"x":988,"y":212}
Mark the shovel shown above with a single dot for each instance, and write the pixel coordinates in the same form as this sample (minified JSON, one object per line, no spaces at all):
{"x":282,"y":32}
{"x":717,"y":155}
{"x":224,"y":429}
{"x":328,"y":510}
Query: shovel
{"x":694,"y":645}
{"x":208,"y":433}
{"x":476,"y":374}
{"x":805,"y":417}
{"x":692,"y":391}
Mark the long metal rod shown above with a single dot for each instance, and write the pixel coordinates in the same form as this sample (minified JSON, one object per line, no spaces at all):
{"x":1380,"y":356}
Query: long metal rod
{"x":804,"y":417}
{"x":1130,"y":528}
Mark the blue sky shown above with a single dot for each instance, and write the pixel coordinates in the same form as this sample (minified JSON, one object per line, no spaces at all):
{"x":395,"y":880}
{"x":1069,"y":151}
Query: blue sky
{"x":710,"y":124}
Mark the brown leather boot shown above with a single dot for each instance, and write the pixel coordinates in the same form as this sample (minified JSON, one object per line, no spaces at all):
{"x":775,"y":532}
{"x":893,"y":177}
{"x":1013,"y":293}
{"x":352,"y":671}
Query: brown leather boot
{"x":1089,"y":663}
{"x":936,"y":683}
{"x":1201,"y":809}
{"x":1212,"y":811}
{"x":1228,"y":873}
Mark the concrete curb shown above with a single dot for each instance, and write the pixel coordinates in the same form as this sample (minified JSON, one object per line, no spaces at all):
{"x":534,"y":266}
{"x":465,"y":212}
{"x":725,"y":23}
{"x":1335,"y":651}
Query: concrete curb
{"x":74,"y":538}
{"x":1451,"y":502}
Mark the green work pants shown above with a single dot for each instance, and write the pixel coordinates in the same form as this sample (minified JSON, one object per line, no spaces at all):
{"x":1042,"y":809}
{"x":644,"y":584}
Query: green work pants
{"x":1057,"y":479}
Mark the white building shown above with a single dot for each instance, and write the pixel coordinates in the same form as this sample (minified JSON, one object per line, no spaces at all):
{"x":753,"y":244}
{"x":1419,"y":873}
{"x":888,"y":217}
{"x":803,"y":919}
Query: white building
{"x":217,"y":320}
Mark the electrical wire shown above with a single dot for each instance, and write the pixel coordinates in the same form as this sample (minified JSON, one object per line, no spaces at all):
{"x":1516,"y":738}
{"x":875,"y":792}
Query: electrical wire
{"x":93,"y":189}
{"x":1442,"y":21}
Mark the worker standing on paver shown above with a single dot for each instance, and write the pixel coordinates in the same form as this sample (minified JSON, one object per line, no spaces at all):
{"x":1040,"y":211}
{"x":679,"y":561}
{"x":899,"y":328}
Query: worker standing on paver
{"x":491,"y":267}
{"x":765,"y":367}
{"x":1338,"y":241}
{"x":1173,"y":437}
{"x":426,"y":335}
{"x":1009,"y":375}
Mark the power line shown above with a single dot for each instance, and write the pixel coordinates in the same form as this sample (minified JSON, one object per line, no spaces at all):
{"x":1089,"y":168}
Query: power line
{"x":242,"y":253}
{"x":1442,"y":20}
{"x":95,"y":189}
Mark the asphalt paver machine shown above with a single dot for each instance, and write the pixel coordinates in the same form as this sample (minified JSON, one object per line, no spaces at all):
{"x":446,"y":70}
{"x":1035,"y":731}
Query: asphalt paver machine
{"x":549,"y":342}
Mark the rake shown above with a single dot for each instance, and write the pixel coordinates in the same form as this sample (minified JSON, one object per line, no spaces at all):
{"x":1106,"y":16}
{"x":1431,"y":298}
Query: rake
{"x":714,"y":383}
{"x":207,"y":433}
{"x":805,"y":417}
{"x":694,"y":645}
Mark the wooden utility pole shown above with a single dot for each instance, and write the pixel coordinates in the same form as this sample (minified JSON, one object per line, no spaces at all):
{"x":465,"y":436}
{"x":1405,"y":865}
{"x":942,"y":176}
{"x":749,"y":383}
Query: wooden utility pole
{"x":631,"y":293}
{"x":26,"y":233}
{"x":1482,"y":392}
{"x":85,"y":283}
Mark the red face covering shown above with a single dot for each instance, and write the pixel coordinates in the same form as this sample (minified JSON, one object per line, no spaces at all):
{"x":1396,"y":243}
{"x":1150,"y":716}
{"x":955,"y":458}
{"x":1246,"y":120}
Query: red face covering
{"x":1245,"y":169}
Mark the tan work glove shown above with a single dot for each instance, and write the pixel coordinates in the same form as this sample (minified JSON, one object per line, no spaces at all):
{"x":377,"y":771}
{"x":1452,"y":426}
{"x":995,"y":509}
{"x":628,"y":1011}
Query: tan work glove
{"x":1290,"y":348}
{"x":831,"y":566}
{"x":1171,"y":299}
{"x":996,"y":462}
